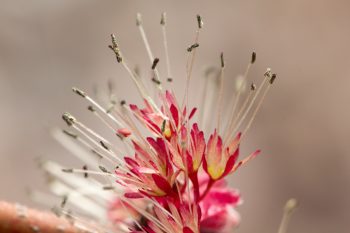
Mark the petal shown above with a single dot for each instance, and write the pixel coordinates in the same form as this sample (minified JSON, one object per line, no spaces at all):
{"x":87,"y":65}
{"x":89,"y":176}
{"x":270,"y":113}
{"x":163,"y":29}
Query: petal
{"x":162,"y":183}
{"x":192,"y":113}
{"x":175,"y":114}
{"x":247,"y":159}
{"x":187,"y":230}
{"x":230,"y":162}
{"x":133,"y":195}
{"x":124,"y":132}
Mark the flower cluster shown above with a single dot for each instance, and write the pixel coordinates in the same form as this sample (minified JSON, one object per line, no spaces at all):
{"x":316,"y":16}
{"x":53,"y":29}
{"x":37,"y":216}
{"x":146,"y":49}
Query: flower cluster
{"x":171,"y":176}
{"x":181,"y":170}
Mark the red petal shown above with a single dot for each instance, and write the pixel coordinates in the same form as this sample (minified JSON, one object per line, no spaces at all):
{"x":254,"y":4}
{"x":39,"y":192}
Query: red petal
{"x":205,"y":166}
{"x":187,"y":230}
{"x":161,"y":183}
{"x":175,"y":114}
{"x":131,"y":162}
{"x":230,"y":163}
{"x":192,"y":113}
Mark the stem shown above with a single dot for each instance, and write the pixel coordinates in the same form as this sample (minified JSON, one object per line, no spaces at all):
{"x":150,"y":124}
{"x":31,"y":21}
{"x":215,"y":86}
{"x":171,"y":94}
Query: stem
{"x":210,"y":184}
{"x":19,"y":219}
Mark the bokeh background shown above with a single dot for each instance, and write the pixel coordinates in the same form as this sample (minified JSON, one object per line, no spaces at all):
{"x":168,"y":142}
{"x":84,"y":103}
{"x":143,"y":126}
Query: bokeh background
{"x":48,"y":46}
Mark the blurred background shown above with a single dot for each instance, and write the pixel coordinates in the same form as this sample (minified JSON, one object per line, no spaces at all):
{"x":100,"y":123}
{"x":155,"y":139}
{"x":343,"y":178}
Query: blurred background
{"x":46,"y":47}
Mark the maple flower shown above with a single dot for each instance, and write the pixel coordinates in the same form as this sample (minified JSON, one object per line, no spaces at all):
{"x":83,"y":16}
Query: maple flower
{"x":170,"y":177}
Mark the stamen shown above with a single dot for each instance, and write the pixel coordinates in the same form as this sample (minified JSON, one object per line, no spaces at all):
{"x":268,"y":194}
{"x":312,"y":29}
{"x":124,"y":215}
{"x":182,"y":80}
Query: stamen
{"x":208,"y":94}
{"x":103,"y":144}
{"x":200,"y":22}
{"x":68,"y":118}
{"x":85,"y":174}
{"x":138,"y":82}
{"x":79,"y":92}
{"x":134,"y":220}
{"x":64,"y":201}
{"x":220,"y":94}
{"x":96,"y":135}
{"x":108,"y":187}
{"x":252,"y":61}
{"x":142,"y":89}
{"x":85,"y":96}
{"x":239,"y":114}
{"x":155,"y":62}
{"x":165,"y":42}
{"x":113,"y":155}
{"x":272,"y":79}
{"x":115,"y":48}
{"x":103,"y":169}
{"x":266,"y":79}
{"x":146,"y":215}
{"x":289,"y":209}
{"x":92,"y":109}
{"x":67,"y":170}
{"x":253,"y":58}
{"x":70,"y":134}
{"x":146,"y":43}
{"x":192,"y":49}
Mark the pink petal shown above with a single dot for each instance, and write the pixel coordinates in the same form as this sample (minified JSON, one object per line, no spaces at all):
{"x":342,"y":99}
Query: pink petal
{"x":124,"y":131}
{"x":133,"y":195}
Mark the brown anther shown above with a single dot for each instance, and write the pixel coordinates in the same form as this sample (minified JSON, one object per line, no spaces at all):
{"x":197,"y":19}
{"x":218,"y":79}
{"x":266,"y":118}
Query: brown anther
{"x":163,"y":19}
{"x":103,"y":144}
{"x":156,"y":81}
{"x":70,"y":134}
{"x":253,"y":87}
{"x":67,"y":170}
{"x":64,"y":201}
{"x":103,"y":169}
{"x":91,"y":108}
{"x":253,"y":58}
{"x":115,"y":48}
{"x":272,"y":79}
{"x":199,"y":21}
{"x":85,"y":174}
{"x":97,"y":153}
{"x":155,"y":62}
{"x":189,"y":49}
{"x":56,"y":211}
{"x":138,"y":19}
{"x":79,"y":92}
{"x":222,"y":60}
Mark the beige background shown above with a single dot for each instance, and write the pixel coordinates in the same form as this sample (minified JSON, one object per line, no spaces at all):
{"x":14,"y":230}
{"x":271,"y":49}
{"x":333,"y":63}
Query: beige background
{"x":303,"y":129}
